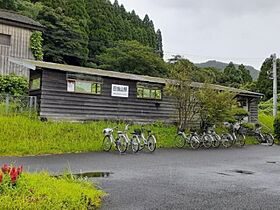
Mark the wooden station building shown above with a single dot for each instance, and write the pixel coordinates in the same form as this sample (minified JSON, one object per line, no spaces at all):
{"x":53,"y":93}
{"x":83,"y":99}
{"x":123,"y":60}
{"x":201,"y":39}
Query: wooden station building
{"x":75,"y":93}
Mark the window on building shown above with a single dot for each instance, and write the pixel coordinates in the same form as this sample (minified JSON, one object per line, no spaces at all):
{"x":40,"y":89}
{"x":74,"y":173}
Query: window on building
{"x":35,"y":83}
{"x":81,"y":83}
{"x":149,"y":92}
{"x":5,"y":39}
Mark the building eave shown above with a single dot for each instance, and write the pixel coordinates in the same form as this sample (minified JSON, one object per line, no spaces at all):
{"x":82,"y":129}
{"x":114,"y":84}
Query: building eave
{"x":126,"y":76}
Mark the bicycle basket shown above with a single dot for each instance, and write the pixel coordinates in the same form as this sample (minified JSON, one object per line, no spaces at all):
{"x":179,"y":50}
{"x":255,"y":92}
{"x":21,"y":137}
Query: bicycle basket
{"x":137,"y":132}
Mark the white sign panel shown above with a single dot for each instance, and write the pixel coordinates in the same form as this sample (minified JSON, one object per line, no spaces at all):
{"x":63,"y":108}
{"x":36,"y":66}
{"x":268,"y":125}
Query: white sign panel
{"x":120,"y":91}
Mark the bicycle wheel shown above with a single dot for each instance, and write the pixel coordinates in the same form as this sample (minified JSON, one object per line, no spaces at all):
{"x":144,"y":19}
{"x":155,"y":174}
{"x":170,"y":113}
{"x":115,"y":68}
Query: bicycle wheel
{"x":194,"y":142}
{"x":152,"y":143}
{"x":135,"y":144}
{"x":107,"y":144}
{"x":207,"y":141}
{"x":216,"y":140}
{"x":269,"y":139}
{"x":240,"y":140}
{"x":122,"y":144}
{"x":142,"y":143}
{"x":226,"y":140}
{"x":180,"y":141}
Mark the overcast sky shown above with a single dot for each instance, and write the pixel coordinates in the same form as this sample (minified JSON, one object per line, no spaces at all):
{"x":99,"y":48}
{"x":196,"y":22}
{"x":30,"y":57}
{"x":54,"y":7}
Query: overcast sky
{"x":244,"y":31}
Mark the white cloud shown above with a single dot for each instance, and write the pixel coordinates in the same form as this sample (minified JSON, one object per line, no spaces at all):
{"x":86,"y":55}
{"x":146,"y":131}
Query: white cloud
{"x":243,"y":30}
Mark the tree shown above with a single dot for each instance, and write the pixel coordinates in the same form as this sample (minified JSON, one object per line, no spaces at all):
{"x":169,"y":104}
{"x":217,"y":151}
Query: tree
{"x":215,"y":105}
{"x":132,"y":57}
{"x":8,"y":4}
{"x":232,"y":76}
{"x":245,"y":73}
{"x":264,"y":83}
{"x":64,"y":41}
{"x":159,"y":43}
{"x":181,"y":90}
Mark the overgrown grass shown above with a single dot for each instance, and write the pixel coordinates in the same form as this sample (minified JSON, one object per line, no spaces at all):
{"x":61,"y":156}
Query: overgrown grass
{"x":20,"y":135}
{"x":267,"y":121}
{"x":41,"y":191}
{"x":23,"y":136}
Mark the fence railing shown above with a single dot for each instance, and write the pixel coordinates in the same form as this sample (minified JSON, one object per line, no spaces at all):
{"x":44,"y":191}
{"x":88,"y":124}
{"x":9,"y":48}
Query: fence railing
{"x":18,"y":104}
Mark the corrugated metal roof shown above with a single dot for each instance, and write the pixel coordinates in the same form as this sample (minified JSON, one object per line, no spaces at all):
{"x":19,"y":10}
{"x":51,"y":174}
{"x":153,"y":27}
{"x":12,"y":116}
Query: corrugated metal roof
{"x":114,"y":74}
{"x":15,"y":17}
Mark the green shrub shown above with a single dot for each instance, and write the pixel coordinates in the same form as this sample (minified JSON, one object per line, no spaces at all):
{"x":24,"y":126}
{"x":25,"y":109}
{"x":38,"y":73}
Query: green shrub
{"x":13,"y":85}
{"x":276,"y":125}
{"x":250,"y":126}
{"x":266,"y":122}
{"x":41,"y":191}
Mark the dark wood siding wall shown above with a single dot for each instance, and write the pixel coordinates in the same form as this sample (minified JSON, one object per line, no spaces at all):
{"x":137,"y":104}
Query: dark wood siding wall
{"x":57,"y":103}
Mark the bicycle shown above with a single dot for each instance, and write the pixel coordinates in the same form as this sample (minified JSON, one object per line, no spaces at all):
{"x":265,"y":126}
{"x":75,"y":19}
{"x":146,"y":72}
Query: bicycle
{"x":134,"y":141}
{"x":181,"y":139}
{"x":206,"y":138}
{"x":263,"y":137}
{"x":120,"y":142}
{"x":216,"y":139}
{"x":150,"y":142}
{"x":235,"y":136}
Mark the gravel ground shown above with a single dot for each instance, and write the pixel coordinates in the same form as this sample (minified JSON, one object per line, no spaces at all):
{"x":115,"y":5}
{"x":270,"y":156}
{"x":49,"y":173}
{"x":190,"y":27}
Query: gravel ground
{"x":235,"y":178}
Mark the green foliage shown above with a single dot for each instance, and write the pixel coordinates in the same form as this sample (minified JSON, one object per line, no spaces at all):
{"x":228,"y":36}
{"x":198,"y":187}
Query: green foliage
{"x":264,"y":83}
{"x":232,"y":76}
{"x":13,"y":85}
{"x":76,"y":32}
{"x":276,"y":126}
{"x":8,"y":4}
{"x":267,"y":106}
{"x":266,"y":121}
{"x":216,"y":106}
{"x":64,"y":39}
{"x":36,"y":45}
{"x":132,"y":57}
{"x":250,"y":86}
{"x":245,"y":74}
{"x":41,"y":191}
{"x":180,"y":89}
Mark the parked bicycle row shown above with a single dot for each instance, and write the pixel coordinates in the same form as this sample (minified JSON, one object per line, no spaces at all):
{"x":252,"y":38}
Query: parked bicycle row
{"x":138,"y":140}
{"x":143,"y":138}
{"x":209,"y":138}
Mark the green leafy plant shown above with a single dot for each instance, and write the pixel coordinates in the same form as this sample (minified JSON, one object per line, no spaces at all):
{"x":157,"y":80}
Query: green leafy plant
{"x":36,"y":45}
{"x":42,"y":191}
{"x":13,"y":85}
{"x":276,"y":126}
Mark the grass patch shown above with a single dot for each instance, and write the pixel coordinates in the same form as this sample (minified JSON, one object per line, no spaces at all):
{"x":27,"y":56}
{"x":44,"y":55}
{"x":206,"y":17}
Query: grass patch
{"x":41,"y":191}
{"x":21,"y":135}
{"x":267,"y":121}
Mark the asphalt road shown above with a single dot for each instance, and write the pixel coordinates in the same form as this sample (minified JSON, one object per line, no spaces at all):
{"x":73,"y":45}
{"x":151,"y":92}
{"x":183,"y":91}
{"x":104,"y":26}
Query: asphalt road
{"x":246,"y":178}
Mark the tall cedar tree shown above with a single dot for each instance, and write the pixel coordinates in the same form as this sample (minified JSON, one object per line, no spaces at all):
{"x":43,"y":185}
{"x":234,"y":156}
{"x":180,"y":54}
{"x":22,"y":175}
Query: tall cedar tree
{"x":246,"y":76}
{"x":233,"y":77}
{"x":159,"y":43}
{"x":78,"y":31}
{"x":264,"y":83}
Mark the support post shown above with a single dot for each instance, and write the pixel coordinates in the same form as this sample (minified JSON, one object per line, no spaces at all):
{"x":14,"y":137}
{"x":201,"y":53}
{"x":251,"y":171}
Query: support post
{"x":274,"y":86}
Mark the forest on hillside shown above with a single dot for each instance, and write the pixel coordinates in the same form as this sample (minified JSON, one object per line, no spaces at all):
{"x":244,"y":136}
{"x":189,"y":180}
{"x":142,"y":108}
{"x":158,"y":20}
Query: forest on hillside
{"x":101,"y":34}
{"x":79,"y":32}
